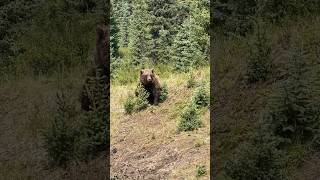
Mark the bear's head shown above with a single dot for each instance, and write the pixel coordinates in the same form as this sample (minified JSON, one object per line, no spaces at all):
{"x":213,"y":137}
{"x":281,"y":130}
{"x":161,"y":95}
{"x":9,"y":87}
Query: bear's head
{"x":147,"y":76}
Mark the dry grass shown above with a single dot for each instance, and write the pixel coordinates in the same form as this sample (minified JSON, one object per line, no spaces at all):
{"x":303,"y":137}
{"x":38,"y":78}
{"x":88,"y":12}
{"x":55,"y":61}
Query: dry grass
{"x":148,"y":144}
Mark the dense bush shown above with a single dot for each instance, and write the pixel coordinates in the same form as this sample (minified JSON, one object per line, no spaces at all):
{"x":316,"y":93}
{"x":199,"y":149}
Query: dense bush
{"x":134,"y":104}
{"x":259,"y":158}
{"x":189,"y":119}
{"x":41,"y":37}
{"x":77,"y":135}
{"x":293,"y":111}
{"x":129,"y":105}
{"x":142,"y":99}
{"x":236,"y":17}
{"x":164,"y":92}
{"x":201,"y":97}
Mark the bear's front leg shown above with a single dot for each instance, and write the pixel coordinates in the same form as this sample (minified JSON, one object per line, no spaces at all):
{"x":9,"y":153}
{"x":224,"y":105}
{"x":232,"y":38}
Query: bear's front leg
{"x":156,"y":101}
{"x":156,"y":97}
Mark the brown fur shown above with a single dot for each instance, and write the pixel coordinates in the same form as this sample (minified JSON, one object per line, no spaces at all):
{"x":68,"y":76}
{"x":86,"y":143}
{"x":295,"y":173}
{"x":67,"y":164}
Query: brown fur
{"x":102,"y":65}
{"x":150,"y":82}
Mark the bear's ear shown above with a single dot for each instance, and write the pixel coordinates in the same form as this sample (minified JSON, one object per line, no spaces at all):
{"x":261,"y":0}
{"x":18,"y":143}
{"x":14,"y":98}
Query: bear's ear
{"x":141,"y":72}
{"x":152,"y":70}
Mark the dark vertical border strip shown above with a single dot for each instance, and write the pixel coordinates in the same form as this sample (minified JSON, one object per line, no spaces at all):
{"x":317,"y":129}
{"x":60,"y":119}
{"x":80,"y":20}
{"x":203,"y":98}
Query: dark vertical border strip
{"x":213,"y":89}
{"x":105,"y":15}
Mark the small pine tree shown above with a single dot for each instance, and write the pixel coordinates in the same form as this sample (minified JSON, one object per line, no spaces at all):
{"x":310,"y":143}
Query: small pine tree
{"x":59,"y":138}
{"x":135,"y":104}
{"x":186,"y":50}
{"x":201,"y":97}
{"x":164,"y":92}
{"x":94,"y":126}
{"x":129,"y":105}
{"x":189,"y":119}
{"x":259,"y":158}
{"x":142,"y":99}
{"x":259,"y":63}
{"x":293,"y":111}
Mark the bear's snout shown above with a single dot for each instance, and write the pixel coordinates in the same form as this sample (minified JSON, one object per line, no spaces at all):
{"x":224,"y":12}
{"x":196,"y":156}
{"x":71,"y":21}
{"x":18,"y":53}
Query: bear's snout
{"x":149,"y":79}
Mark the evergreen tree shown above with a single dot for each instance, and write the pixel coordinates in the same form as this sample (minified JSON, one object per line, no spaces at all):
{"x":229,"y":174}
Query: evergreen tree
{"x":114,"y":36}
{"x":123,"y":11}
{"x":293,"y":112}
{"x":165,"y":19}
{"x":140,"y":39}
{"x":190,"y":46}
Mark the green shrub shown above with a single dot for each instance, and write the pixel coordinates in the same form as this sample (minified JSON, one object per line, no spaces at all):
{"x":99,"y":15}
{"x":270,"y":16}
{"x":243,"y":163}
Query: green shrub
{"x":201,"y":97}
{"x":189,"y":119}
{"x":135,"y":104}
{"x":293,"y":110}
{"x":259,"y":158}
{"x":59,"y":137}
{"x":141,"y":101}
{"x":129,"y":105}
{"x":89,"y":131}
{"x":164,"y":93}
{"x":259,"y":61}
{"x":201,"y":170}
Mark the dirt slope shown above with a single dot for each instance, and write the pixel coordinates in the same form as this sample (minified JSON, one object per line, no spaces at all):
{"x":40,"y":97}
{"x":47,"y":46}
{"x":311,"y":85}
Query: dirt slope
{"x":146,"y":145}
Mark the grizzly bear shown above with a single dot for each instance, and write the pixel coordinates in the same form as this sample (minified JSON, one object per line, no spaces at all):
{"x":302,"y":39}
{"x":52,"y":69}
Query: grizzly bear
{"x":150,"y":82}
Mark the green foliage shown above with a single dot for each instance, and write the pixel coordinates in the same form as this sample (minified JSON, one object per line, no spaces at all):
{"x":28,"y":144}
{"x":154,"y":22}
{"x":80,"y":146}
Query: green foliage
{"x":125,"y":73}
{"x":190,"y":45}
{"x":201,"y":170}
{"x":259,"y":158}
{"x":293,"y":111}
{"x":15,"y":17}
{"x":79,"y":135}
{"x":140,"y":38}
{"x":40,"y":37}
{"x":236,"y":17}
{"x":201,"y":97}
{"x":135,"y":104}
{"x":123,"y":11}
{"x":165,"y":16}
{"x":59,"y":137}
{"x":164,"y":92}
{"x":94,"y":124}
{"x":259,"y":63}
{"x":189,"y":119}
{"x":129,"y":105}
{"x":150,"y":30}
{"x":114,"y":37}
{"x":141,"y":101}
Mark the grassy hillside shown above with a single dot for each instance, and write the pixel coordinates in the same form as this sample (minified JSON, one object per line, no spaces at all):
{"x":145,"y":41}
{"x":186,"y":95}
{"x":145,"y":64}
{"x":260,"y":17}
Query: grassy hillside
{"x":28,"y":106}
{"x":240,"y":107}
{"x":147,"y":144}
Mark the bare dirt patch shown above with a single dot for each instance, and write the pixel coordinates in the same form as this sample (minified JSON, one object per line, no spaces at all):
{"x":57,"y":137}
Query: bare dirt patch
{"x":146,"y":145}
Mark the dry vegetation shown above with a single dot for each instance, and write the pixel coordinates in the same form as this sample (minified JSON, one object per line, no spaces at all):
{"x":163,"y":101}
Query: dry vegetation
{"x":147,"y":145}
